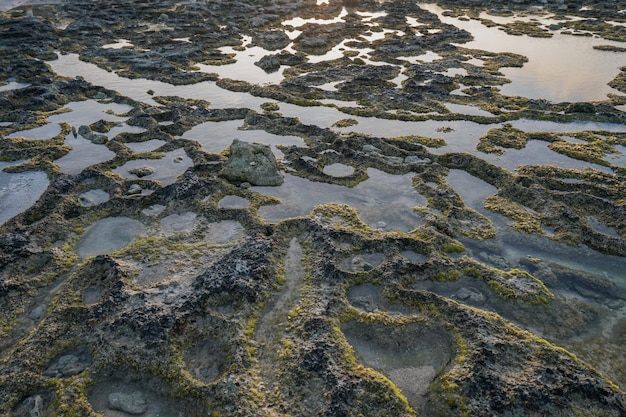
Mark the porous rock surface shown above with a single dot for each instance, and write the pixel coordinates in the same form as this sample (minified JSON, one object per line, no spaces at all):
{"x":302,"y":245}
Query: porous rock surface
{"x":264,"y":321}
{"x":253,"y":163}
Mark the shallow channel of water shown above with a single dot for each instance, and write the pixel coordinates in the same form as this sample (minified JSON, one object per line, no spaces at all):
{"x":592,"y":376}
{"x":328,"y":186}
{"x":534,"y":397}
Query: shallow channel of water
{"x":244,"y":68}
{"x":71,"y":66}
{"x":383,"y":201}
{"x":462,"y":138}
{"x":217,"y":136}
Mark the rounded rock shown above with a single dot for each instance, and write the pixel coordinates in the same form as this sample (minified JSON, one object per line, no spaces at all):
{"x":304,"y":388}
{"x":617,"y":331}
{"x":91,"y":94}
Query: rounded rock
{"x":133,"y":403}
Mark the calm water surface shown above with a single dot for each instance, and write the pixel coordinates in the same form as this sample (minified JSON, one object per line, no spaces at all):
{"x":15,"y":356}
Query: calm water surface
{"x":561,"y":68}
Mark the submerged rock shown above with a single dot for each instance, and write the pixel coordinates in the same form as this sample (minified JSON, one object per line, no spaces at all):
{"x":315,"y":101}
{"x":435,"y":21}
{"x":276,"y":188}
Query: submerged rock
{"x":470,"y":295}
{"x":34,"y":406}
{"x":67,"y":365}
{"x":86,"y":132}
{"x":133,"y":403}
{"x":253,"y":163}
{"x":142,"y":171}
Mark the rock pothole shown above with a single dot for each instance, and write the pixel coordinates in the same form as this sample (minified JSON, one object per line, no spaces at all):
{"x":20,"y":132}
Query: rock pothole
{"x":411,"y":356}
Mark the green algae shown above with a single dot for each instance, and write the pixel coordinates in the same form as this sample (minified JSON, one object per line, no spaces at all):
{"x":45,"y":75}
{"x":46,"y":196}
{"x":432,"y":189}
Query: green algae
{"x":422,"y":140}
{"x":602,"y":29}
{"x":610,"y":48}
{"x":532,"y":29}
{"x":345,"y":123}
{"x":595,"y":150}
{"x":504,"y":137}
{"x":619,"y":83}
{"x":270,"y":107}
{"x":525,"y":221}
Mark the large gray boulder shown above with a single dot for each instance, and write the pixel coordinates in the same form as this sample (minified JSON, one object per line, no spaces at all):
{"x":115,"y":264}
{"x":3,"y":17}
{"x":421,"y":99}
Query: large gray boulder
{"x":253,"y":163}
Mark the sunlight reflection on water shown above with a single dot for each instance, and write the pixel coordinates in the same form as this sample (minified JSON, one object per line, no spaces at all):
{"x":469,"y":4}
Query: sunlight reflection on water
{"x":561,"y":68}
{"x":383,"y":201}
{"x":19,"y":191}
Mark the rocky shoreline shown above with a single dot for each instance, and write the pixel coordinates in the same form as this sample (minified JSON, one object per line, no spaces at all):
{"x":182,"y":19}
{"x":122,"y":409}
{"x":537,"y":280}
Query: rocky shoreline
{"x":150,"y":282}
